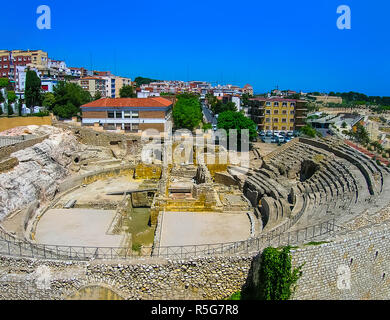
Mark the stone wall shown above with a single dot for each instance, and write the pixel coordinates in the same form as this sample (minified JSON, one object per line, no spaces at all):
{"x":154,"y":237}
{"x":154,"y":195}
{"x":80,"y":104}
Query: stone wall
{"x":8,"y":150}
{"x":366,"y":253}
{"x":207,"y":278}
{"x":103,"y":139}
{"x":8,"y":164}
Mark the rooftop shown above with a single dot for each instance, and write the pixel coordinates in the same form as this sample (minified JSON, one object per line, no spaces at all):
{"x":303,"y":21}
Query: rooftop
{"x":129,"y":102}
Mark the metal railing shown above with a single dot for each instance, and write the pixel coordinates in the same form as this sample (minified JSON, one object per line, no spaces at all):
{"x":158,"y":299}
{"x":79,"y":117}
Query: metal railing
{"x":9,"y":140}
{"x":11,"y":246}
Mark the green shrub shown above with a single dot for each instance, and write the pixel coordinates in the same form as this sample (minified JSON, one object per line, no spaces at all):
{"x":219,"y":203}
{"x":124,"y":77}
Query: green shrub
{"x":235,"y":296}
{"x":277,"y":279}
{"x":136,"y":247}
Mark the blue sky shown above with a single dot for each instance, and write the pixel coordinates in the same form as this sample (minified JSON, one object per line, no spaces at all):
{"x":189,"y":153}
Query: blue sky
{"x":293,"y":44}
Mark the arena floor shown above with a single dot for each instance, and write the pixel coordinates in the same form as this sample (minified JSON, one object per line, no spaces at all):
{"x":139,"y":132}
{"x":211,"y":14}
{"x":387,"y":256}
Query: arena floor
{"x":77,"y":227}
{"x":189,"y":228}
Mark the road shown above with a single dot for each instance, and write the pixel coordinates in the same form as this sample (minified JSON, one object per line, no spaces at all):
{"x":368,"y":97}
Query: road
{"x":209,"y":117}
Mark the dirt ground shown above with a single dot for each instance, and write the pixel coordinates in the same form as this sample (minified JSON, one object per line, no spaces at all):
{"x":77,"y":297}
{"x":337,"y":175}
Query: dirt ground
{"x":188,"y":228}
{"x":265,"y":148}
{"x":97,"y":191}
{"x":77,"y":227}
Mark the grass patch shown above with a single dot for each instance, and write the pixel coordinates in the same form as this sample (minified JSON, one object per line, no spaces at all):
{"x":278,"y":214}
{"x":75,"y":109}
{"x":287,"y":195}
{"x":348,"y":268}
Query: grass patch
{"x":235,"y":296}
{"x":314,"y":243}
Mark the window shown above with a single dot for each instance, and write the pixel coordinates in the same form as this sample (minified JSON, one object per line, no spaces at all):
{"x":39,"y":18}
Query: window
{"x":135,"y":115}
{"x":127,"y":114}
{"x":292,"y":104}
{"x":284,"y":120}
{"x":276,"y":120}
{"x":291,"y":128}
{"x":267,"y":128}
{"x":135,"y":126}
{"x":111,"y":114}
{"x":276,"y":104}
{"x":292,"y":120}
{"x":284,"y":111}
{"x":276,"y":111}
{"x":268,"y":104}
{"x":267,"y":120}
{"x":275,"y":128}
{"x":284,"y":128}
{"x":268,"y":111}
{"x":285,"y":104}
{"x":292,"y":112}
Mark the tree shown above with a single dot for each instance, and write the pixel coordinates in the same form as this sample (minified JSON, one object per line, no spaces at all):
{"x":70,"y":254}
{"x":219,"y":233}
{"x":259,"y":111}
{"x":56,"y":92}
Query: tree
{"x":10,"y":111}
{"x":66,"y":111}
{"x":68,"y":99}
{"x":127,"y":92}
{"x":309,"y":131}
{"x":141,"y":80}
{"x":4,"y":82}
{"x":187,"y":112}
{"x":11,"y":96}
{"x":97,"y":95}
{"x":361,"y":134}
{"x":236,"y":120}
{"x":20,"y":105}
{"x":49,"y":100}
{"x":33,"y":89}
{"x":219,"y":107}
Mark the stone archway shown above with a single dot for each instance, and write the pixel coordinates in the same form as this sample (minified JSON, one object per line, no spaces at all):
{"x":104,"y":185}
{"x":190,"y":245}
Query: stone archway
{"x":95,"y":292}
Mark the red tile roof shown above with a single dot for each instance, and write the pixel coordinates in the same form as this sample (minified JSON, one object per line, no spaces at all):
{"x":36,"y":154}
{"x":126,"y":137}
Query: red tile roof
{"x":129,"y":102}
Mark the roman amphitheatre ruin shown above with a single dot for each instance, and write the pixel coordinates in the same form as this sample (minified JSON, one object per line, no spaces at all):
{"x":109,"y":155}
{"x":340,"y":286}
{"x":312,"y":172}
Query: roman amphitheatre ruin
{"x":83,"y":205}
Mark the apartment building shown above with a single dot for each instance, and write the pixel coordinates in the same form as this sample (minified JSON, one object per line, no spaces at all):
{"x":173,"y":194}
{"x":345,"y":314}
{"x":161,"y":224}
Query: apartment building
{"x":93,"y":85}
{"x":278,"y":114}
{"x":128,"y":114}
{"x":114,"y":84}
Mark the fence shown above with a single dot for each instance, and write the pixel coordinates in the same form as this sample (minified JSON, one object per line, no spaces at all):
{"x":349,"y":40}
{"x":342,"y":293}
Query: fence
{"x":12,"y":247}
{"x":8,"y":140}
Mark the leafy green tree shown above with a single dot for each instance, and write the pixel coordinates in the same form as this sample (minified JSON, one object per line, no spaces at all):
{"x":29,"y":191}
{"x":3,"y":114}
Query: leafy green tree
{"x":11,"y":96}
{"x":211,"y":100}
{"x":207,"y":126}
{"x":66,"y":111}
{"x":361,"y":134}
{"x":220,"y":107}
{"x":9,"y":109}
{"x":187,"y":112}
{"x":236,"y":120}
{"x":68,"y":99}
{"x":32,"y":92}
{"x":127,"y":92}
{"x":245,"y":99}
{"x":141,"y":80}
{"x":97,"y":96}
{"x":4,"y":82}
{"x":309,"y":131}
{"x":49,"y":100}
